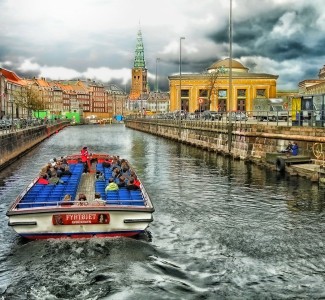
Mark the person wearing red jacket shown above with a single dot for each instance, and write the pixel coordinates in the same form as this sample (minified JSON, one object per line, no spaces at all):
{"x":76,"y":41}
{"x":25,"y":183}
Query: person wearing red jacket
{"x":85,"y":158}
{"x":43,"y":180}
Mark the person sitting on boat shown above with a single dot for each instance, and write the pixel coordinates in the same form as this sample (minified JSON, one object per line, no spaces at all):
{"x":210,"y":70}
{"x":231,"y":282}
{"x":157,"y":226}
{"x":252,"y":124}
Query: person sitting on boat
{"x":64,"y":167}
{"x":114,"y":164}
{"x":84,"y":158}
{"x":82,"y":200}
{"x":121,"y":182}
{"x":136,"y":180}
{"x":131,"y":185}
{"x":54,"y":179}
{"x":112,"y":186}
{"x":66,"y":200}
{"x":99,"y":176}
{"x":43,"y":179}
{"x":98,"y":201}
{"x":116,"y":173}
{"x":106,"y":163}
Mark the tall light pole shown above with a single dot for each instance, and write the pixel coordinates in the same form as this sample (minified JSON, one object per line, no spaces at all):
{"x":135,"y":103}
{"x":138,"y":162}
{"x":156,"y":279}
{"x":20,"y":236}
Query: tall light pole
{"x":230,"y":59}
{"x":180,"y":82}
{"x":230,"y":78}
{"x":157,"y":60}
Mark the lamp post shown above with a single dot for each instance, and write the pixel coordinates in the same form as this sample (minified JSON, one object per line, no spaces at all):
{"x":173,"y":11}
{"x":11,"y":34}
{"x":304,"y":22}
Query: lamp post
{"x":230,"y":59}
{"x":180,"y":82}
{"x":114,"y":97}
{"x":230,"y":78}
{"x":12,"y":113}
{"x":157,"y":60}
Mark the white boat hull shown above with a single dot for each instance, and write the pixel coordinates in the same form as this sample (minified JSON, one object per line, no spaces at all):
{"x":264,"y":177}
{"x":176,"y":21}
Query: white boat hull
{"x":79,"y":224}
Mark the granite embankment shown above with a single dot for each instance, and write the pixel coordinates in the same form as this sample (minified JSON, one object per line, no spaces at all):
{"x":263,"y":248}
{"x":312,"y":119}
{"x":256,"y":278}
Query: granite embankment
{"x":250,"y":142}
{"x":14,"y":144}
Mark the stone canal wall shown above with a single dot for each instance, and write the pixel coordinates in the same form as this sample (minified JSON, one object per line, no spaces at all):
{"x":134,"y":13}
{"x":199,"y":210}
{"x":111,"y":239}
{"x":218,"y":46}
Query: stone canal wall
{"x":17,"y":143}
{"x":239,"y":140}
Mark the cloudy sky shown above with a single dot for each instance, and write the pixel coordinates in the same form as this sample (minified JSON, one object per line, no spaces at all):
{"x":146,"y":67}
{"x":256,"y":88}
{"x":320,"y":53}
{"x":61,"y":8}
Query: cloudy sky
{"x":66,"y":39}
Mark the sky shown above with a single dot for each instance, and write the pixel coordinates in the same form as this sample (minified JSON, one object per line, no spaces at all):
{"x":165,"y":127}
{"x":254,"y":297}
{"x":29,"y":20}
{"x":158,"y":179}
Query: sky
{"x":96,"y":39}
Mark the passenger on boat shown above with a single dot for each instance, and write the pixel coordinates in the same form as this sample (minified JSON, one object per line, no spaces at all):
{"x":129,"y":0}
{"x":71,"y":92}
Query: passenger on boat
{"x":54,"y":179}
{"x":121,"y":182}
{"x":114,"y":164}
{"x":53,"y":162}
{"x":116,"y":173}
{"x":82,"y":200}
{"x":43,"y":179}
{"x":135,"y":178}
{"x":131,"y":185}
{"x":98,"y":201}
{"x":99,"y":176}
{"x":106,"y":163}
{"x":112,"y":186}
{"x":85,"y":158}
{"x":66,"y":200}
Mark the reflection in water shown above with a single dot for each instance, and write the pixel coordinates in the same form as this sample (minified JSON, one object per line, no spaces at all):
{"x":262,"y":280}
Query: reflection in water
{"x":222,"y":229}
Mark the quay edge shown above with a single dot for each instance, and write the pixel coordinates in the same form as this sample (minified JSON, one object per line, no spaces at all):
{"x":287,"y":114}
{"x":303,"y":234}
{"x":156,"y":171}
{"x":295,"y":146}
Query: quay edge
{"x":249,"y":142}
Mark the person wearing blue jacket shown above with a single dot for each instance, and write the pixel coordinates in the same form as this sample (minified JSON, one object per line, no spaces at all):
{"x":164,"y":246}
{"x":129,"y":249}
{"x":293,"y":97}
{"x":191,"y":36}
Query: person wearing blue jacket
{"x":294,"y":149}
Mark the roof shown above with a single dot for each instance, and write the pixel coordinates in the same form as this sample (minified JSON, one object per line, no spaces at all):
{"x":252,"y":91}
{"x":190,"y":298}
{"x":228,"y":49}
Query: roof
{"x":225,"y":64}
{"x":11,"y":76}
{"x":235,"y":75}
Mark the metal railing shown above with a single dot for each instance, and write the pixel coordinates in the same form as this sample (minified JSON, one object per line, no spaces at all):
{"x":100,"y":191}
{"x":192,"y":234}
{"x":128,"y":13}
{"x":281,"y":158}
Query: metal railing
{"x":6,"y":126}
{"x":310,"y":118}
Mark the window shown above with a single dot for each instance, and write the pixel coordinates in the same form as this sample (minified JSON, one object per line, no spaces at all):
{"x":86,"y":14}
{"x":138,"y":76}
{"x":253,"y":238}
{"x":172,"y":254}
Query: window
{"x":241,"y":93}
{"x":260,"y":93}
{"x":203,"y":93}
{"x":185,"y":93}
{"x":222,"y":93}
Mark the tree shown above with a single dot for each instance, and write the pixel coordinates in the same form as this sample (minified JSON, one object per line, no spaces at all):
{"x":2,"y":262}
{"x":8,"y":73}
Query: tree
{"x":212,"y":82}
{"x":29,"y":99}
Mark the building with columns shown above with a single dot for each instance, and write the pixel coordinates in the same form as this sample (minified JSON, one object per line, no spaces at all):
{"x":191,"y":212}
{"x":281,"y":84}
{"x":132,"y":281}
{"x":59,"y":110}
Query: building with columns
{"x":210,"y":90}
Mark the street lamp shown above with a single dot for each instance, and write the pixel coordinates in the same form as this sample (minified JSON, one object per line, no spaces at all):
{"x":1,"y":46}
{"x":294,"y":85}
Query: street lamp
{"x":12,"y":113}
{"x":230,"y":59}
{"x":157,"y":60}
{"x":180,"y":81}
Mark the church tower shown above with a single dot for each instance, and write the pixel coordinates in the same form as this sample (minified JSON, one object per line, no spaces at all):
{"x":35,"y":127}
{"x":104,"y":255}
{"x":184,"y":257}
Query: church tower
{"x":139,"y":82}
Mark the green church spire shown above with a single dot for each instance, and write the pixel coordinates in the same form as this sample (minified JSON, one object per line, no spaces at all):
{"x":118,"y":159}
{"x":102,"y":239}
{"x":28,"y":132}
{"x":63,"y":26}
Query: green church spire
{"x":139,"y":53}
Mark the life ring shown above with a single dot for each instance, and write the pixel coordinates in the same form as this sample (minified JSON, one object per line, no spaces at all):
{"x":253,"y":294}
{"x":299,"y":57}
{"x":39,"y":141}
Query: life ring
{"x":280,"y":165}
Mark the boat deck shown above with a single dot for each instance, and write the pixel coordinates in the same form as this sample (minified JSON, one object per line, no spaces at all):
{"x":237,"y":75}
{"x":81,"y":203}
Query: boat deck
{"x":86,"y":186}
{"x":40,"y":195}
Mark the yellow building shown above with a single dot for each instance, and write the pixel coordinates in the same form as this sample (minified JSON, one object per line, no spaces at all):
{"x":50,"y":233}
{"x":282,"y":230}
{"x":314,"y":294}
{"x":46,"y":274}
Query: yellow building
{"x":210,"y":90}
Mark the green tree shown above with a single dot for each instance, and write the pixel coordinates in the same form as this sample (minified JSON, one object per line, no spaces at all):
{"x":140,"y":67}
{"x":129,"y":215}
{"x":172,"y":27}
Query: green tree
{"x":29,"y":99}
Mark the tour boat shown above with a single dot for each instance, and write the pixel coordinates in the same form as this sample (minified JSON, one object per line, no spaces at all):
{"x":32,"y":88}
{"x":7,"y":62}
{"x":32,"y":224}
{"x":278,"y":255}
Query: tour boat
{"x":41,"y":211}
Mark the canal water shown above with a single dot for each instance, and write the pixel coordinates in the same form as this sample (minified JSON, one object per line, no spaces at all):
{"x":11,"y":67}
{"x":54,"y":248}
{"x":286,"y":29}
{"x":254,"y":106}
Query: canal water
{"x":222,"y":229}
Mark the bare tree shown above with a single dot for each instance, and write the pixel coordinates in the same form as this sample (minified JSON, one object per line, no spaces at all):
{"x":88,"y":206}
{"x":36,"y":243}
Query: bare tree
{"x":212,"y":85}
{"x":29,"y":99}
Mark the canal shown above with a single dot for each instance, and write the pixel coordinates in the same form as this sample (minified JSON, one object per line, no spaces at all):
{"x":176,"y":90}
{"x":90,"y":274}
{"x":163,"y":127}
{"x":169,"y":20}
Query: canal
{"x":222,"y":229}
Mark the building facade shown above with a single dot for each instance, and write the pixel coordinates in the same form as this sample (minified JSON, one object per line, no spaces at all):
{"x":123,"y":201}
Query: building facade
{"x":211,"y":90}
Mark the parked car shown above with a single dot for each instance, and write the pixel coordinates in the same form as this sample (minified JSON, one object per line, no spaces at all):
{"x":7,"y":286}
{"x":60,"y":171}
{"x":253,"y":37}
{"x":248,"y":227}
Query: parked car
{"x":211,"y":115}
{"x":237,"y":116}
{"x":5,"y":124}
{"x":191,"y":116}
{"x":179,"y":114}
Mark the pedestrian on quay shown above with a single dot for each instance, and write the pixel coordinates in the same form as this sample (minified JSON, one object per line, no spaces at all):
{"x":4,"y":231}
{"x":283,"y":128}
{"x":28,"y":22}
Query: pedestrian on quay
{"x":287,"y":149}
{"x":294,"y":150}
